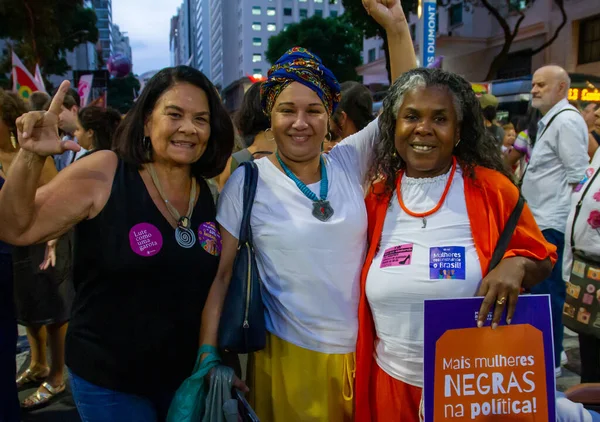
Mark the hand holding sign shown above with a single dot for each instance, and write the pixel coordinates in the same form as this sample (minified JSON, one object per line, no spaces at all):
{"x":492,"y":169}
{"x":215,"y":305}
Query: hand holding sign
{"x":38,"y":130}
{"x":387,"y":13}
{"x":501,"y":288}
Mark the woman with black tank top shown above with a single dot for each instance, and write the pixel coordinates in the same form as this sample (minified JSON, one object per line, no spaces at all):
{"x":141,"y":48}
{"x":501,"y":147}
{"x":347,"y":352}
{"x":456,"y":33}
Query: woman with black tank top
{"x":146,"y":242}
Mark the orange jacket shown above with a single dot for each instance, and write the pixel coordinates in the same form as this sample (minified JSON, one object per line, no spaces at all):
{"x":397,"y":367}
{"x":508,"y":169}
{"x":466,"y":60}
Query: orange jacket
{"x":490,"y":199}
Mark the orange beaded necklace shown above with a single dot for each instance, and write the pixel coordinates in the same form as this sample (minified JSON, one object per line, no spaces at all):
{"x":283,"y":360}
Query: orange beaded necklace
{"x":425,"y":214}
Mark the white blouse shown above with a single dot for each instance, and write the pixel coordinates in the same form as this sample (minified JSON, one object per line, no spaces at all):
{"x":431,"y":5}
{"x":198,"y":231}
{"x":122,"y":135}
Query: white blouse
{"x":415,"y":263}
{"x":310,"y":270}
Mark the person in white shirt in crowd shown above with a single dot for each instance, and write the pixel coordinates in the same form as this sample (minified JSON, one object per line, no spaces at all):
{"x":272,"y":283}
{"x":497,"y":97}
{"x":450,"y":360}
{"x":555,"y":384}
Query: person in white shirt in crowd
{"x":67,"y":123}
{"x":585,"y":237}
{"x":558,"y":162}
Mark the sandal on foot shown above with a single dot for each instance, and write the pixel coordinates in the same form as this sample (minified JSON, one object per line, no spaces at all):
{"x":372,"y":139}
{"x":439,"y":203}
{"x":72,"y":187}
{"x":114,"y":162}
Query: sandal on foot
{"x":41,"y":399}
{"x":30,"y":377}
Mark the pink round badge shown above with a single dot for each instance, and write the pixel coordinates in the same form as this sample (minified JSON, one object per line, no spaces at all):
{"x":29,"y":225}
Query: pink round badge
{"x":145,"y":239}
{"x":210,"y":238}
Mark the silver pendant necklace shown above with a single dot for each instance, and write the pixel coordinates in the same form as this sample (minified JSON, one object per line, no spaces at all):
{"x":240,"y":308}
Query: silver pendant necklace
{"x":184,"y":235}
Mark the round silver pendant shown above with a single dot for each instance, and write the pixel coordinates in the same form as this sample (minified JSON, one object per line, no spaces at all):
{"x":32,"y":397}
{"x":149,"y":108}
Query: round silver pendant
{"x":185,"y":237}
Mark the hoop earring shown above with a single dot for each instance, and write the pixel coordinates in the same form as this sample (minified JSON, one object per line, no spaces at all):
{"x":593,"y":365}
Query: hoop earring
{"x":272,"y":139}
{"x":147,"y":145}
{"x":455,"y":145}
{"x":328,"y":136}
{"x":13,"y":140}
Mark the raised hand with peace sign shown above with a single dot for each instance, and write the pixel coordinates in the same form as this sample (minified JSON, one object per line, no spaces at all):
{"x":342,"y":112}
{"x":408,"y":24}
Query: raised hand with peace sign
{"x":38,"y":130}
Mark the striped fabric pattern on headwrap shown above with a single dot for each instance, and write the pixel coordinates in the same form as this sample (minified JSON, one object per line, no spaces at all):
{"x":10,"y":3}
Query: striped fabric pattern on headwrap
{"x":300,"y":65}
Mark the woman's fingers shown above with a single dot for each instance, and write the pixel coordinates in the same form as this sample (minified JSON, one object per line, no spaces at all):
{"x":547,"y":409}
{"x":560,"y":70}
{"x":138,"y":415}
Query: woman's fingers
{"x":512,"y":305}
{"x":240,"y":385}
{"x":57,"y":100}
{"x":488,"y":301}
{"x":27,"y":122}
{"x":70,"y":145}
{"x":501,"y":298}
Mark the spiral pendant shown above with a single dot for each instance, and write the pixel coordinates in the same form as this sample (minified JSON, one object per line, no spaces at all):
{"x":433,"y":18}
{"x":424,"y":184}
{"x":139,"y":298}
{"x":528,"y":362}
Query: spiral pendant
{"x":185,"y":237}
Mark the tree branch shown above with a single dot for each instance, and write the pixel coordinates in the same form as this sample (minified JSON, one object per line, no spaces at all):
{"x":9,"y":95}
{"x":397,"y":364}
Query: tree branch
{"x":31,"y":31}
{"x":561,"y":6}
{"x":494,"y":12}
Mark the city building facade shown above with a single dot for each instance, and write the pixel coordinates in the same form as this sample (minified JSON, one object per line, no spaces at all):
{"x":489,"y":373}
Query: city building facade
{"x":470,"y":39}
{"x":103,"y":9}
{"x":121,"y":43}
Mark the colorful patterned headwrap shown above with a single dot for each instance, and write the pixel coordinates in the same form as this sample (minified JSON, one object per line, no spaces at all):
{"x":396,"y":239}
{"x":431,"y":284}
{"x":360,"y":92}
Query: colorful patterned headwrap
{"x":300,"y":65}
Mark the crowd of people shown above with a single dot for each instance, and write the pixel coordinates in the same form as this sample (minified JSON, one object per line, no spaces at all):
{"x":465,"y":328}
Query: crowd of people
{"x":119,"y":259}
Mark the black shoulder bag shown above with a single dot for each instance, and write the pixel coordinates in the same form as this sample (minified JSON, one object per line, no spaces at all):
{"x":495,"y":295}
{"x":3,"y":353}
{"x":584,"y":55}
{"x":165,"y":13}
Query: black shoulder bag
{"x":581,"y":312}
{"x":507,"y":233}
{"x":242,"y":326}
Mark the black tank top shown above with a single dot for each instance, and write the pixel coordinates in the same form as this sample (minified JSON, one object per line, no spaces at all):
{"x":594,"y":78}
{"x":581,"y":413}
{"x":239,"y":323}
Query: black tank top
{"x":139,"y":295}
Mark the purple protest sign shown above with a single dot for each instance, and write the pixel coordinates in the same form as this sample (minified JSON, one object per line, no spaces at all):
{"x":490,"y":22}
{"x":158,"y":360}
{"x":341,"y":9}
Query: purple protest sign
{"x":480,"y":374}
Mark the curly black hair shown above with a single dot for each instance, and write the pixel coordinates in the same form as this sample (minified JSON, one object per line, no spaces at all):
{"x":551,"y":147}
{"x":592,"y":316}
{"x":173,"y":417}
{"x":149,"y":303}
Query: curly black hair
{"x":476,"y":147}
{"x":11,"y":108}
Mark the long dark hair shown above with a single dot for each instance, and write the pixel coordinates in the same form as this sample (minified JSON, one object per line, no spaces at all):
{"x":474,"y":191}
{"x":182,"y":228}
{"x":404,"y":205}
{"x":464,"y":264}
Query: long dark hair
{"x":129,"y":137}
{"x":476,"y":147}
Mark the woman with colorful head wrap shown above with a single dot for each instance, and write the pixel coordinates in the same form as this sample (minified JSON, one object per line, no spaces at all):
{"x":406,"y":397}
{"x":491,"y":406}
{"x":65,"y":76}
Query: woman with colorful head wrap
{"x":309,"y":227}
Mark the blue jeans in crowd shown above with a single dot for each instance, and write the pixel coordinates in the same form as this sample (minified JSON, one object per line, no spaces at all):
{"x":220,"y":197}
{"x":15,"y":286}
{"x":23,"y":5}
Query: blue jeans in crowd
{"x":556,"y":288}
{"x":97,"y":404}
{"x":9,"y":402}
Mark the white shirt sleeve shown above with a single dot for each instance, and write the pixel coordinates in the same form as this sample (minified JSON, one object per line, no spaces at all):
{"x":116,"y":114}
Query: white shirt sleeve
{"x":355,"y":152}
{"x":568,"y":411}
{"x":572,"y":148}
{"x":231,"y":200}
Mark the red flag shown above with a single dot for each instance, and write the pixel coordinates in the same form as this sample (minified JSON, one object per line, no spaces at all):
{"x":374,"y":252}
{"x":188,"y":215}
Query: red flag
{"x":23,"y":82}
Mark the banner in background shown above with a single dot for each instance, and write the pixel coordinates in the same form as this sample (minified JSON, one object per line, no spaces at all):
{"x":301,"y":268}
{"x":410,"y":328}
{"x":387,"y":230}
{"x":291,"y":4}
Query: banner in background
{"x":427,"y":48}
{"x":480,"y":374}
{"x":84,"y":88}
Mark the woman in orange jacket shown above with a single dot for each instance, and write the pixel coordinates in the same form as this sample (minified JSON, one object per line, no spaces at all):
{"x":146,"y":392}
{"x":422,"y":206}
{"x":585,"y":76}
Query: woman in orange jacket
{"x":440,"y":199}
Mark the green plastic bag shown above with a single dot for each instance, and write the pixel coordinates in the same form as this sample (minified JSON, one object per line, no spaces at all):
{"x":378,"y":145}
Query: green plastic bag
{"x":189,"y":402}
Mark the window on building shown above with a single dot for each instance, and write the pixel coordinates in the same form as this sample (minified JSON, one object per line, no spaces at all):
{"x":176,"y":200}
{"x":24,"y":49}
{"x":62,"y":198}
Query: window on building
{"x":256,"y":26}
{"x":589,"y":40}
{"x":372,"y":54}
{"x":271,"y":27}
{"x":302,"y":1}
{"x":303,"y":13}
{"x":257,"y":42}
{"x":270,"y":11}
{"x":287,"y":11}
{"x":256,"y":10}
{"x":333,"y":13}
{"x":318,"y":1}
{"x":256,"y":58}
{"x":455,"y":14}
{"x":319,"y":13}
{"x":257,"y":73}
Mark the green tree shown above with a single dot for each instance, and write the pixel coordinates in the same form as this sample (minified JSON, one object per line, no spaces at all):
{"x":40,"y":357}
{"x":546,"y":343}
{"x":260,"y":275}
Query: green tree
{"x":334,"y":40}
{"x":122,"y":92}
{"x":42,"y":31}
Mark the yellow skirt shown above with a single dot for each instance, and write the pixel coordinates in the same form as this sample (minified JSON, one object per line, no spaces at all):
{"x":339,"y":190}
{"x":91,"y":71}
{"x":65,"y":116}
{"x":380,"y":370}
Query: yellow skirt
{"x":289,"y":383}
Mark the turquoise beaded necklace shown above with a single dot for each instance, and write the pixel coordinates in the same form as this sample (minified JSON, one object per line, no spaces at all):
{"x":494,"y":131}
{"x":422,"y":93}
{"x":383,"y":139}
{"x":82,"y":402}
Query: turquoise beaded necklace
{"x":322,"y":209}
